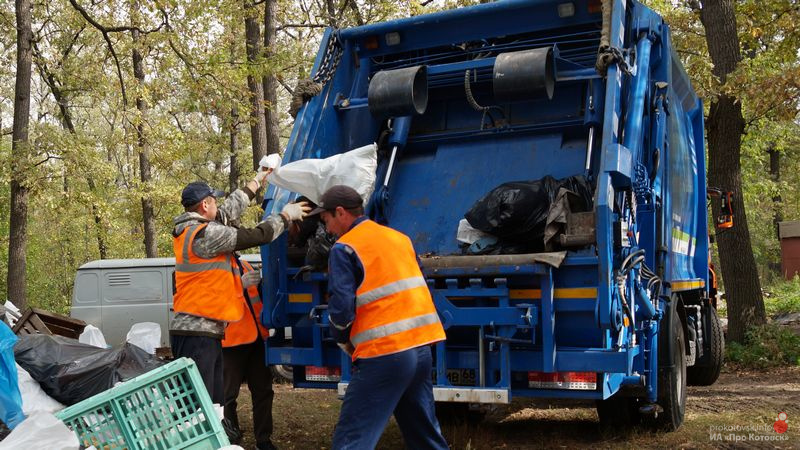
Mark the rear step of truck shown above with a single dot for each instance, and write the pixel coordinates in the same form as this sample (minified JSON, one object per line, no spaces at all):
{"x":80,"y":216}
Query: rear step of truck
{"x":513,"y":302}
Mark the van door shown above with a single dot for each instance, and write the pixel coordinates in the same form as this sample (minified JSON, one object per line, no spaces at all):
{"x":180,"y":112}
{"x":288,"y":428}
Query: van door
{"x":171,"y":290}
{"x":86,"y":297}
{"x":132,"y":295}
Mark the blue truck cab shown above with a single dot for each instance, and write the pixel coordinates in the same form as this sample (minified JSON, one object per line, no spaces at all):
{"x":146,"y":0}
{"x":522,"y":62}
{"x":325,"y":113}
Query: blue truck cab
{"x":616,"y":308}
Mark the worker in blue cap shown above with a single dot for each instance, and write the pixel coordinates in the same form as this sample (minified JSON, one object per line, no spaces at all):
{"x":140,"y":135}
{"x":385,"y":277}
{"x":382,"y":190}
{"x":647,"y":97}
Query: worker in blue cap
{"x":209,"y":291}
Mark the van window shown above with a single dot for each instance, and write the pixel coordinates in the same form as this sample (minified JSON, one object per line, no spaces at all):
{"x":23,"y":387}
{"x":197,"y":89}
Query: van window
{"x":87,"y":288}
{"x":142,"y":286}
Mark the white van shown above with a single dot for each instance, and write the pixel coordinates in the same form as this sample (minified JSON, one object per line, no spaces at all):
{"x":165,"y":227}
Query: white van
{"x":113,"y":294}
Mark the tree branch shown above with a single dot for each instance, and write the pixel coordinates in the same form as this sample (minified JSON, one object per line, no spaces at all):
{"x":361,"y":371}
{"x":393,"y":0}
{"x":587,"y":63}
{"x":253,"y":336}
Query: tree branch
{"x":104,"y":31}
{"x":48,"y":158}
{"x":114,"y":29}
{"x":285,"y":86}
{"x":356,"y":11}
{"x":301,"y":25}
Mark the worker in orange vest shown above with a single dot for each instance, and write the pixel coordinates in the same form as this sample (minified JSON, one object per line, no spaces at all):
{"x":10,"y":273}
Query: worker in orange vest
{"x":208,"y":286}
{"x":382,"y":314}
{"x":243,"y":359}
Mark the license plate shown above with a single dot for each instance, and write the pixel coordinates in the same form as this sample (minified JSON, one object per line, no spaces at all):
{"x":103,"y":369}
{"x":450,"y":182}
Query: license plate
{"x":461,"y":377}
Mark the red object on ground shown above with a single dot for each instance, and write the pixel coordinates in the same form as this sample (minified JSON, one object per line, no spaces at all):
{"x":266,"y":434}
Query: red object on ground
{"x":790,"y":248}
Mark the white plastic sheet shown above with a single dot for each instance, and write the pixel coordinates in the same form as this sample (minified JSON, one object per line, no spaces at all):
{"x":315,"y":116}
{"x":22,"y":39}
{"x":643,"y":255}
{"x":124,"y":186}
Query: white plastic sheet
{"x":34,"y":399}
{"x":41,"y":430}
{"x":467,"y":234}
{"x":145,"y":335}
{"x":312,"y":177}
{"x":93,"y":336}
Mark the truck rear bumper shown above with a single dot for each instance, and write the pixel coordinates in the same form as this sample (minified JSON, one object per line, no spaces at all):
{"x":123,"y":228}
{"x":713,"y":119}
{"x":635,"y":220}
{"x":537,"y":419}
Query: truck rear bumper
{"x":459,"y":394}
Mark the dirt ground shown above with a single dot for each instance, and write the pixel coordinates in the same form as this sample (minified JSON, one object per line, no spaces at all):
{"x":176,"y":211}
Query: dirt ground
{"x":739,"y":411}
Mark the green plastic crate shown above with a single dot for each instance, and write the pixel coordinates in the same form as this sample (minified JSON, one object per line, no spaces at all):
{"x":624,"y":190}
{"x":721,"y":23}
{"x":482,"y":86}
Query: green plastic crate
{"x":166,"y":408}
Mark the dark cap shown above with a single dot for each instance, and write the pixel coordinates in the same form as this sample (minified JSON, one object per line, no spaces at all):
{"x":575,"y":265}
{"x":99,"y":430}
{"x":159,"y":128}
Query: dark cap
{"x":195,"y":192}
{"x":339,"y":195}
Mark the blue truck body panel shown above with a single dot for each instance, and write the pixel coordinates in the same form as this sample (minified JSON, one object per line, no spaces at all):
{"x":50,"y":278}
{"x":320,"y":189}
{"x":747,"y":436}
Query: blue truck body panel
{"x":643,"y":128}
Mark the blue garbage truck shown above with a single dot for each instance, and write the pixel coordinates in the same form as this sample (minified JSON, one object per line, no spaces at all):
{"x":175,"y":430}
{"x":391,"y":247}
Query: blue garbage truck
{"x":568,"y":135}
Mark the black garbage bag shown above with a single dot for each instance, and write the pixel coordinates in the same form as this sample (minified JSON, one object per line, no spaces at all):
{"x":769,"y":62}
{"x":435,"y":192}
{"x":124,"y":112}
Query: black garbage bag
{"x":70,"y":371}
{"x":301,"y":232}
{"x":319,"y":247}
{"x":516,"y":212}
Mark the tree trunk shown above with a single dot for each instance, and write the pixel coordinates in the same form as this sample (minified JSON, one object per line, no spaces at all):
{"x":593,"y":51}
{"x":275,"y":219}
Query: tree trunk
{"x":148,"y":215}
{"x":269,"y":81}
{"x":258,"y":126}
{"x":233,"y":177}
{"x":725,"y":128}
{"x":67,"y":124}
{"x":777,"y":201}
{"x":20,"y":151}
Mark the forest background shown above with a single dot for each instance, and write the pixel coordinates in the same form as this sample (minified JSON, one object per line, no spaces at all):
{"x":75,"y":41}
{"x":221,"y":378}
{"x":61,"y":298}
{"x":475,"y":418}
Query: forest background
{"x":131,"y":99}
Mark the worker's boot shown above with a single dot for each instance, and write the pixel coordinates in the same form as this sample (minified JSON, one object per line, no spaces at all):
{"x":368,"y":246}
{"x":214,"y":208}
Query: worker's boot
{"x":266,"y":446}
{"x":233,"y":432}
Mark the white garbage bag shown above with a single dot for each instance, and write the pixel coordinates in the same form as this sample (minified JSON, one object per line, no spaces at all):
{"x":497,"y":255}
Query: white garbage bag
{"x":145,"y":335}
{"x":93,"y":336}
{"x":41,"y":430}
{"x":12,"y":313}
{"x":34,"y":399}
{"x":312,"y":177}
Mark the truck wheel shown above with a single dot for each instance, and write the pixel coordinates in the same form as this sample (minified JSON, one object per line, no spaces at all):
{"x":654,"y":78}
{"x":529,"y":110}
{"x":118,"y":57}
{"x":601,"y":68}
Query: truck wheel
{"x":707,"y":373}
{"x":282,"y":374}
{"x":457,"y":413}
{"x":672,"y":377}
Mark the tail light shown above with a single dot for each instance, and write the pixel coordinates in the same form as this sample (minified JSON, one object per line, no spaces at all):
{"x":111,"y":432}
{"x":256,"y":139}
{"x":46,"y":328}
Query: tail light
{"x":584,"y":381}
{"x":314,"y":373}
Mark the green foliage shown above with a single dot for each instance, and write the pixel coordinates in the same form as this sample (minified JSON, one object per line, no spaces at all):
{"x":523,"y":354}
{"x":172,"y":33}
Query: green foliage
{"x":783,"y":297}
{"x":765,"y":346}
{"x":766,"y":82}
{"x":85,"y":187}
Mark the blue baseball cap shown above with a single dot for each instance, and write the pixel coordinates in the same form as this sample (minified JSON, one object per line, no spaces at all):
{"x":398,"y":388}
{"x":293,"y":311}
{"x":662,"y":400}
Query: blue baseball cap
{"x":195,"y":192}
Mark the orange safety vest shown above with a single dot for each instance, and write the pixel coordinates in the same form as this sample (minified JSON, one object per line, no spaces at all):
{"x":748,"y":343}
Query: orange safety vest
{"x":209,"y":288}
{"x":244,"y":331}
{"x":394,"y":308}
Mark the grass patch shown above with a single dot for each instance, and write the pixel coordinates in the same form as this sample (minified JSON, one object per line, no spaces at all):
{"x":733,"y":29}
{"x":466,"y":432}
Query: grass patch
{"x":783,"y":297}
{"x":765,"y":346}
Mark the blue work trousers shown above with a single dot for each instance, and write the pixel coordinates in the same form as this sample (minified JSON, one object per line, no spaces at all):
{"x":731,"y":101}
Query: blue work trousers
{"x":398,"y":384}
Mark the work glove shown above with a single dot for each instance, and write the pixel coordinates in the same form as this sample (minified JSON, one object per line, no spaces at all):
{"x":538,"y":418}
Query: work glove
{"x":261,"y":177}
{"x":296,"y":211}
{"x":251,"y":278}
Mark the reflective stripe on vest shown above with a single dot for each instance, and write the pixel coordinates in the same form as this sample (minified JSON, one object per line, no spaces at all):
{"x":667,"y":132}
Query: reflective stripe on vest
{"x":392,"y":288}
{"x":394,"y":309}
{"x":244,"y":331}
{"x":204,"y":287}
{"x":394,"y":328}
